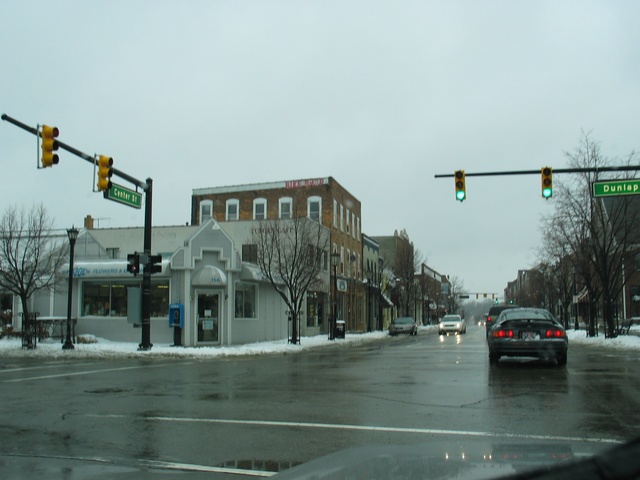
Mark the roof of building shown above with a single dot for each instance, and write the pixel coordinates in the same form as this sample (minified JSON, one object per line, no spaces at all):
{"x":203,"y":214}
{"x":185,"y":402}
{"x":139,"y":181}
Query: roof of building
{"x":164,"y":240}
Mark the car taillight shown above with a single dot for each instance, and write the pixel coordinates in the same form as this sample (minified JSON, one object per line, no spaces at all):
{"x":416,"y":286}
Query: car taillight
{"x":503,"y":334}
{"x":488,"y":319}
{"x":555,"y":333}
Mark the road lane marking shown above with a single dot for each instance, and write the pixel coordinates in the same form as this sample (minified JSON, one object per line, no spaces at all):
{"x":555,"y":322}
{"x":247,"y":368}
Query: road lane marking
{"x":91,"y":372}
{"x":370,"y":428}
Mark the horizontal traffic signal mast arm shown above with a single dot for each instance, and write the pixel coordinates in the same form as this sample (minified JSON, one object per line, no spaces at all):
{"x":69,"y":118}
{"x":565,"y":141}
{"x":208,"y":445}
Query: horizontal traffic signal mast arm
{"x":84,"y":156}
{"x":625,"y":168}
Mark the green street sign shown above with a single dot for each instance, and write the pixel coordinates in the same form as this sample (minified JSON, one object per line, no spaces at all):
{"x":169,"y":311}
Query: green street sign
{"x":120,"y":194}
{"x":616,"y":187}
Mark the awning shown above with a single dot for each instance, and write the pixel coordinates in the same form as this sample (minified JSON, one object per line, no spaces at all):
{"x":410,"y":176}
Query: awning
{"x":386,"y":300}
{"x":105,"y":268}
{"x":252,"y":273}
{"x":208,"y":276}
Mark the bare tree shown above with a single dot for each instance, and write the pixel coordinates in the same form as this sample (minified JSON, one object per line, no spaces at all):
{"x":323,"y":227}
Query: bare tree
{"x":291,"y":254}
{"x":30,"y":256}
{"x":407,"y":263}
{"x":597,"y":235}
{"x":457,"y":289}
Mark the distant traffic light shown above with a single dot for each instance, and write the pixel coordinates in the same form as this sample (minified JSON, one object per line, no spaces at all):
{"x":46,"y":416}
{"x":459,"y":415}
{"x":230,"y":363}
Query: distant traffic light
{"x":133,"y":263}
{"x":461,"y":189}
{"x":547,"y":182}
{"x":48,"y":145}
{"x":105,"y":171}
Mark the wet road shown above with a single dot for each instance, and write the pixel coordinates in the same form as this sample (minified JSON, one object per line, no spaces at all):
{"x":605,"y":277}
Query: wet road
{"x":197,"y":419}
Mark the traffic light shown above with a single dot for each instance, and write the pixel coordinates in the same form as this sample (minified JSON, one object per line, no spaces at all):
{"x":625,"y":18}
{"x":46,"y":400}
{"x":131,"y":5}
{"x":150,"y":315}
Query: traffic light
{"x":133,"y":263}
{"x":104,"y":172}
{"x":547,"y":182}
{"x":461,"y":189}
{"x":48,"y":145}
{"x":154,"y":264}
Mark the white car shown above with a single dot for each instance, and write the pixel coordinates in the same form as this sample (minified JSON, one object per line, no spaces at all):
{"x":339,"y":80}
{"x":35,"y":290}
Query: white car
{"x":452,"y":324}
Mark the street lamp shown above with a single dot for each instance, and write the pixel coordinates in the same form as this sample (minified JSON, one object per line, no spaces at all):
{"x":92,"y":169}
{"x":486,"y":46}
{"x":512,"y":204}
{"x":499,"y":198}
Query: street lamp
{"x":335,"y":258}
{"x":73,"y":235}
{"x":369,"y":275}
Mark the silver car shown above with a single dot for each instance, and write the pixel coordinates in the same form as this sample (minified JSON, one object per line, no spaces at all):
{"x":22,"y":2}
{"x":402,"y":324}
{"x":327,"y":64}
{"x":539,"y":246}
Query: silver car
{"x":403,"y":325}
{"x":452,"y":324}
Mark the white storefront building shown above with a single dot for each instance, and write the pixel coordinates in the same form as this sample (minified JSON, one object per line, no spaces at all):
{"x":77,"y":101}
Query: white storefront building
{"x":224,"y":301}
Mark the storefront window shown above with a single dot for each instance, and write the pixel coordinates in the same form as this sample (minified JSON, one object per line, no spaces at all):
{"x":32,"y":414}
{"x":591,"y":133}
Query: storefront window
{"x":118,"y":300}
{"x":245,"y":300}
{"x":159,"y":300}
{"x":96,"y":298}
{"x":109,"y":299}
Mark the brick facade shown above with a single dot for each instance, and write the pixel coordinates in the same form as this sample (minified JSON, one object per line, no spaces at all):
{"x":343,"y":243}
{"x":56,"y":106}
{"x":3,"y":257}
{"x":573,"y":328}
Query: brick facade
{"x":340,"y":212}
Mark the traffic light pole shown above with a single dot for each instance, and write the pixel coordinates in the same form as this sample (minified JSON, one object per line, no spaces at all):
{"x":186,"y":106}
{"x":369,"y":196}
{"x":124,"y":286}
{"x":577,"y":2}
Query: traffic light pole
{"x":147,"y":187}
{"x":625,"y":168}
{"x":146,"y":344}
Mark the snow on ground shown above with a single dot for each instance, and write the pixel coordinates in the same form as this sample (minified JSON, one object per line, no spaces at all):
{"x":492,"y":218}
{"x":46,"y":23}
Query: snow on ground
{"x":105,"y":348}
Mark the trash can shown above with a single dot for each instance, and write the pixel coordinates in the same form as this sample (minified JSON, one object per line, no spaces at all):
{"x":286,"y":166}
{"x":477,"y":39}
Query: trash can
{"x":340,"y":328}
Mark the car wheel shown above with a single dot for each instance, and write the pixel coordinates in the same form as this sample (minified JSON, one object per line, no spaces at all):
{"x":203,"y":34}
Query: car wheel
{"x":493,"y":357}
{"x":562,"y":359}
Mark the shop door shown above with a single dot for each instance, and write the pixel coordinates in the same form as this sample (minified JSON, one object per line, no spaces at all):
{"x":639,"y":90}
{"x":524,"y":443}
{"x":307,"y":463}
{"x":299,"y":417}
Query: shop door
{"x":208,"y":317}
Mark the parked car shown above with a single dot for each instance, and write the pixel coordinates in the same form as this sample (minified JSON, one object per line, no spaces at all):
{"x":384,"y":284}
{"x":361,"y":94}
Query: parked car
{"x":494,"y":313}
{"x":528,"y":332}
{"x":452,"y":324}
{"x":403,"y":325}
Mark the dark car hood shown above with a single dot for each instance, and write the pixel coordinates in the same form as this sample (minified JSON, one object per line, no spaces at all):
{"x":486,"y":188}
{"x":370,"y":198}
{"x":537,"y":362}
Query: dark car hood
{"x":476,"y":460}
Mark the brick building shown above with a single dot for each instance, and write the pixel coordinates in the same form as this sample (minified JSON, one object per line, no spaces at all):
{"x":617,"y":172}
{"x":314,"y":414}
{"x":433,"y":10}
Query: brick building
{"x":320,"y":199}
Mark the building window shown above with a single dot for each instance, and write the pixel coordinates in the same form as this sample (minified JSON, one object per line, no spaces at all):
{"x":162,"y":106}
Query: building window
{"x":335,"y":213}
{"x":353,"y":225}
{"x":341,"y":218}
{"x":206,"y":210}
{"x":260,"y":209}
{"x":314,"y":208}
{"x":109,"y":299}
{"x":358,"y":233}
{"x":232,"y":209}
{"x":285,"y":207}
{"x":348,"y":224}
{"x":113,"y":252}
{"x":245,"y":300}
{"x":250,"y":253}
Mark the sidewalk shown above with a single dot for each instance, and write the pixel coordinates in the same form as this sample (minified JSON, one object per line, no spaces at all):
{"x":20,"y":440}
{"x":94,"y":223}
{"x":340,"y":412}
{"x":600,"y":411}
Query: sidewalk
{"x":106,"y":349}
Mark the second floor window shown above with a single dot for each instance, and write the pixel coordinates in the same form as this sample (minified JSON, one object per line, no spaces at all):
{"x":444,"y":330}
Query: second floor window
{"x":260,"y":209}
{"x":233,"y":206}
{"x":314,"y":208}
{"x":250,"y":253}
{"x":206,"y":210}
{"x":285,"y":207}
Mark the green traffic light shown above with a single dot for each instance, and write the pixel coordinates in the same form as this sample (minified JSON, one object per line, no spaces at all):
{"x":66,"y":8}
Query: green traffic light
{"x":460,"y":195}
{"x":547,"y":192}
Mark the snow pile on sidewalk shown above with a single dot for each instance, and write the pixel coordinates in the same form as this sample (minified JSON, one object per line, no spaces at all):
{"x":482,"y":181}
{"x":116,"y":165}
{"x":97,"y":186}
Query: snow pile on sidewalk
{"x":631,"y":341}
{"x":106,"y":348}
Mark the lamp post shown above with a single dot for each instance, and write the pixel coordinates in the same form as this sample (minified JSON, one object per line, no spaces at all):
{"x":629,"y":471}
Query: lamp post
{"x":335,"y":258}
{"x":369,"y":275}
{"x":73,"y":235}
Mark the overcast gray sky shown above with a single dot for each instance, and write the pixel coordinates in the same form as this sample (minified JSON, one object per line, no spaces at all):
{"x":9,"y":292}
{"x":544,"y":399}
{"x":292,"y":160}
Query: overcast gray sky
{"x":381,"y":95}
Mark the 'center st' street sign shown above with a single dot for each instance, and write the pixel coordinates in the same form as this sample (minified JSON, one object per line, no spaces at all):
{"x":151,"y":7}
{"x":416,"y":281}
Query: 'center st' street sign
{"x":118,"y":193}
{"x":616,"y":187}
